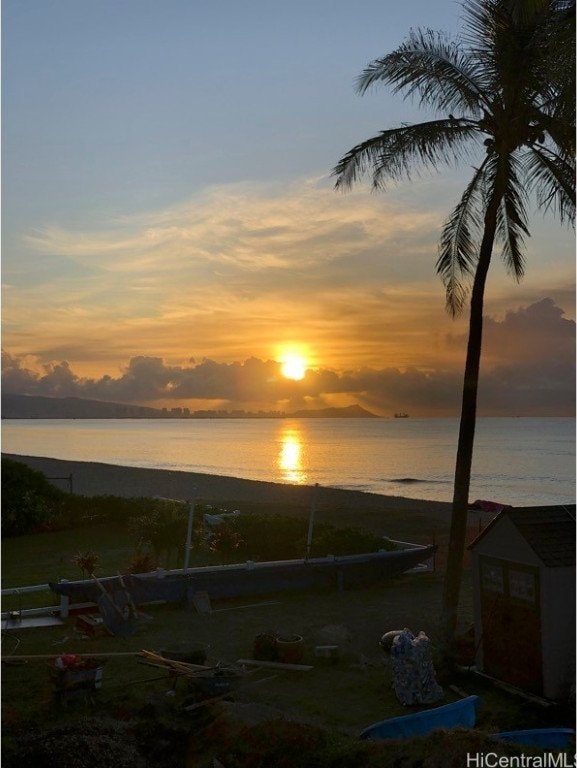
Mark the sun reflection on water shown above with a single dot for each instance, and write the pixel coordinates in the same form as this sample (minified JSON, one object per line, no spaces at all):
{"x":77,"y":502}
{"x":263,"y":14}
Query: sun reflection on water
{"x":290,"y":458}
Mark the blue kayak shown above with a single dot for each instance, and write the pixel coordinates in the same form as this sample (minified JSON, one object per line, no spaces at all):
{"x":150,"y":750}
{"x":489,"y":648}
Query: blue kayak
{"x":458,"y":714}
{"x":546,"y":738}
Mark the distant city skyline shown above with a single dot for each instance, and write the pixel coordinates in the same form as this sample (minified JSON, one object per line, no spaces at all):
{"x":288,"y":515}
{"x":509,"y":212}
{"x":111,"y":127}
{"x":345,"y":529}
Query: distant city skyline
{"x":171,"y":232}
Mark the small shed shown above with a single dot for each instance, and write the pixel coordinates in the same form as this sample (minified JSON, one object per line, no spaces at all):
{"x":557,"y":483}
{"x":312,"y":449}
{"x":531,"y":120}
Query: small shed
{"x":524,"y":599}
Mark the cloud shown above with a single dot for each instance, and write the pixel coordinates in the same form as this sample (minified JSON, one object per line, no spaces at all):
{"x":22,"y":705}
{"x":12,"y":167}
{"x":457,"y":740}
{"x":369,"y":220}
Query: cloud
{"x":244,"y":227}
{"x":238,"y":270}
{"x":528,"y":368}
{"x":234,"y":271}
{"x":538,"y":331}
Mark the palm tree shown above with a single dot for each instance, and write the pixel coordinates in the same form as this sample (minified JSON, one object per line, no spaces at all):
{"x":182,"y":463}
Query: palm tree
{"x":505,"y":91}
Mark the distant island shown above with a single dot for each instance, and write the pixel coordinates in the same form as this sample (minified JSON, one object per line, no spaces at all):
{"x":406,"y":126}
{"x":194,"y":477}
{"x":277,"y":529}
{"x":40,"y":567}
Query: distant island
{"x":39,"y":407}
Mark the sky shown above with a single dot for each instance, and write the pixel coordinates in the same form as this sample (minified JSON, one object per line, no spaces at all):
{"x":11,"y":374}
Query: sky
{"x":171,"y":231}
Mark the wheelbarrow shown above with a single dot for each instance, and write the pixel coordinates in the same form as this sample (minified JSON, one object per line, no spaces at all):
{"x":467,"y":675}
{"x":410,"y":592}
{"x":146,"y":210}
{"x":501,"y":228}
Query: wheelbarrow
{"x":218,"y":682}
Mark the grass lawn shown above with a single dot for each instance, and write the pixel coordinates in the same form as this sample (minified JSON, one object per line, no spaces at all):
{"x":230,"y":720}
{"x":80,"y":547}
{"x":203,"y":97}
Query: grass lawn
{"x":36,"y":559}
{"x":40,"y":558}
{"x":347,"y":695}
{"x":344,"y":696}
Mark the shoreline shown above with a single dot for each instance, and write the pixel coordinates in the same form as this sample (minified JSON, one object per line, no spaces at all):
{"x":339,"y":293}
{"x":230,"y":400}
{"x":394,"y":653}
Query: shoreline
{"x":375,"y":512}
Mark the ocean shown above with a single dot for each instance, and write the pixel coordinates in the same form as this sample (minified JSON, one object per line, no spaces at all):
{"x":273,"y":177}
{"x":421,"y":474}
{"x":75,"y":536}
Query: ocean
{"x":516,"y":461}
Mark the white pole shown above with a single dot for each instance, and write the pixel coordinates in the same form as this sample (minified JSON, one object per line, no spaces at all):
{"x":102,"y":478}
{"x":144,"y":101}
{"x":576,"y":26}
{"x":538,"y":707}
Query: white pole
{"x":64,"y":602}
{"x":312,"y":520}
{"x":187,"y":547}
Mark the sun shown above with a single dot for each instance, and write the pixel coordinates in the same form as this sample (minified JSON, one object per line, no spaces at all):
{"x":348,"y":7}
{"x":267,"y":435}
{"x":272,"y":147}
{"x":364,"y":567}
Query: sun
{"x":294,"y":366}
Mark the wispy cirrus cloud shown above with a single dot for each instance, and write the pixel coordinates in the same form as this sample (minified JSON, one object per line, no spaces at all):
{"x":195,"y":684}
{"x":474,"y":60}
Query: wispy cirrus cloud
{"x":240,"y":270}
{"x":242,"y":267}
{"x":245,"y":226}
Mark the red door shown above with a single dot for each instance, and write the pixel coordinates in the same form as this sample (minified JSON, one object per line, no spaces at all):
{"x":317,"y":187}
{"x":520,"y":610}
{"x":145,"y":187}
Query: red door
{"x":511,"y":623}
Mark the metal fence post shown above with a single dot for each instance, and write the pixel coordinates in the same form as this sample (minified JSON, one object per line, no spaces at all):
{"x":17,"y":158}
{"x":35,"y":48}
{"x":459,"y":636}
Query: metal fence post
{"x":189,"y":532}
{"x":312,"y":520}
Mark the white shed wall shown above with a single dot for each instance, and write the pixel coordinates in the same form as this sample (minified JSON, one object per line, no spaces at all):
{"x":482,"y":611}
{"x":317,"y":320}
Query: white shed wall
{"x":505,"y":542}
{"x":557,"y":592}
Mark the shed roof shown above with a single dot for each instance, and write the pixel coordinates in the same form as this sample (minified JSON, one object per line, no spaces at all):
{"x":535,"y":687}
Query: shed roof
{"x":549,"y":531}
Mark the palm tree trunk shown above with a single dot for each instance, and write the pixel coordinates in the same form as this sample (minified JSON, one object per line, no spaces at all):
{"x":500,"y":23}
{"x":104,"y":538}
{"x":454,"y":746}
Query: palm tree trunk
{"x":458,"y":532}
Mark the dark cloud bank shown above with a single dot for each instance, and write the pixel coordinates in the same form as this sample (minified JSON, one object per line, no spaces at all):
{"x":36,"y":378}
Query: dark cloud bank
{"x":528,"y":368}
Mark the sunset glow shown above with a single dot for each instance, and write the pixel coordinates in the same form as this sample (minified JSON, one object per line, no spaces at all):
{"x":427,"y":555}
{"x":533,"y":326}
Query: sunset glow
{"x":290,"y":459}
{"x":294,"y":366}
{"x":180,"y":264}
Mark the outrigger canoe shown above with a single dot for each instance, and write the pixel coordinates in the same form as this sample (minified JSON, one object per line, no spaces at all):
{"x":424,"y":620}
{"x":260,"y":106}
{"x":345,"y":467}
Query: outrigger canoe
{"x":252,"y":578}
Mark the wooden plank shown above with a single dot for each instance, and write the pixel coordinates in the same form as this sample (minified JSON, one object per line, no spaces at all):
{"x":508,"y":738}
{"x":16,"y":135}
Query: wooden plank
{"x":516,"y":691}
{"x":103,"y":655}
{"x":179,"y":670}
{"x":459,"y":691}
{"x":251,"y":605}
{"x":275,"y":665}
{"x":206,"y":702}
{"x":222,"y":696}
{"x":189,"y":673}
{"x":158,"y":658}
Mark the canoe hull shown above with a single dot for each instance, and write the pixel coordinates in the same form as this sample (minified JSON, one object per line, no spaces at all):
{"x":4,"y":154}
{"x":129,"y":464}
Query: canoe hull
{"x":240,"y":580}
{"x":545,"y":738}
{"x":458,"y":714}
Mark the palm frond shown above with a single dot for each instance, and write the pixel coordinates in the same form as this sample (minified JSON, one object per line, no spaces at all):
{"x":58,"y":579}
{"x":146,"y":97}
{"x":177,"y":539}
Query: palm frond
{"x":432,"y":67}
{"x":553,"y":180}
{"x":561,"y":57}
{"x":512,"y":211}
{"x":560,"y":131}
{"x":480,"y":28}
{"x":512,"y":42}
{"x":392,"y":154}
{"x":458,"y":250}
{"x":512,"y":223}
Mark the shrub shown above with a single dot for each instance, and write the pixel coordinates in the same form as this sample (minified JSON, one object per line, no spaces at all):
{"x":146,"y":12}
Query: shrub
{"x":86,"y":561}
{"x":85,"y":742}
{"x":276,"y":743}
{"x":226,"y":542}
{"x":143,"y":562}
{"x":29,"y":501}
{"x":346,"y":541}
{"x":163,"y":528}
{"x":281,"y":537}
{"x":281,"y":744}
{"x":116,"y":510}
{"x":269,"y":537}
{"x":164,"y":739}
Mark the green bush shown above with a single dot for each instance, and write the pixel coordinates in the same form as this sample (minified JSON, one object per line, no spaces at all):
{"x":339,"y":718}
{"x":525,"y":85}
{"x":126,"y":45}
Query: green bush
{"x":116,"y":510}
{"x":261,"y":538}
{"x":30,"y":504}
{"x":329,"y":540}
{"x":269,"y":537}
{"x":85,"y":742}
{"x":29,"y":501}
{"x":143,"y":562}
{"x":277,"y":743}
{"x":282,"y":744}
{"x":164,"y":739}
{"x":163,"y":528}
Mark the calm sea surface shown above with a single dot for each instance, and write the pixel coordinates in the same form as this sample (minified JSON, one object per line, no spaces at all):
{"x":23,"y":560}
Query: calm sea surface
{"x":517,"y":460}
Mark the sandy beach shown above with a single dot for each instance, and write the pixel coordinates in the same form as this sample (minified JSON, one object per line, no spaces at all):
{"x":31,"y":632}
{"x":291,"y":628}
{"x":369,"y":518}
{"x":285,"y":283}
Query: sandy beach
{"x":396,"y":516}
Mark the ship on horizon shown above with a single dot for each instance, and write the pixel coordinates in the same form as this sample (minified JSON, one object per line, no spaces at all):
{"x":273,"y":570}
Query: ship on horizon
{"x":401,"y":415}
